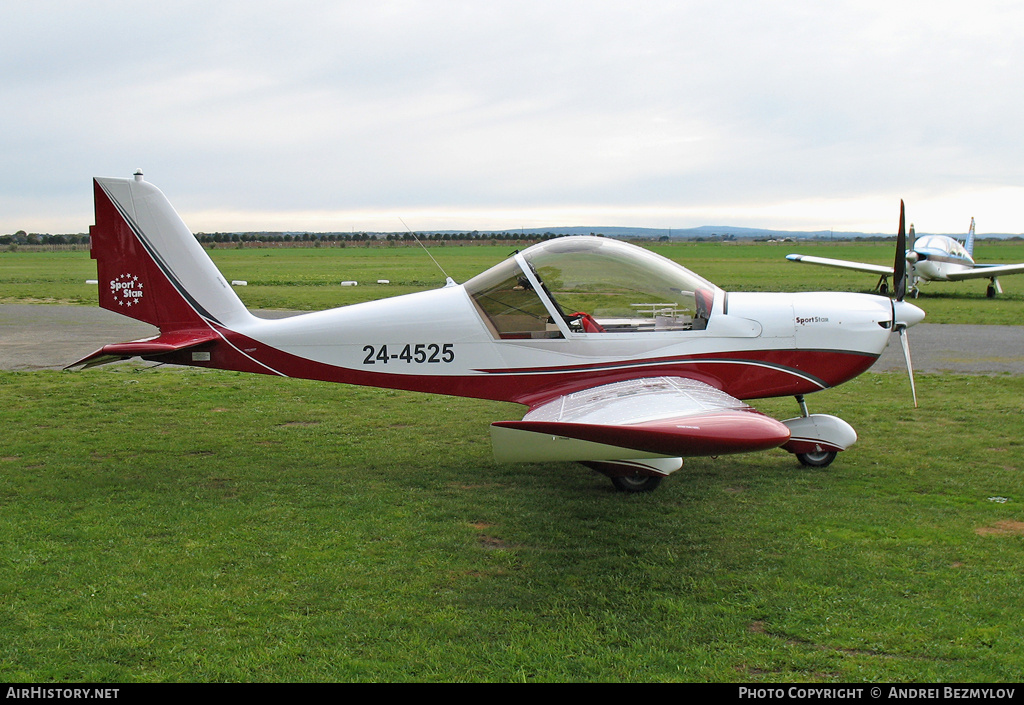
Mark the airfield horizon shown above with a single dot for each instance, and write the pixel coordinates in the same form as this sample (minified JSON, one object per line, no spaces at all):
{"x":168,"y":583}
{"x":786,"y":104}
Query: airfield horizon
{"x":309,"y":278}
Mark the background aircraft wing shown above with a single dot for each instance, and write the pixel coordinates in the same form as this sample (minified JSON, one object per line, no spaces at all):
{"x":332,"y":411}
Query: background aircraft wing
{"x":844,"y":264}
{"x":638,"y":418}
{"x":986,"y":271}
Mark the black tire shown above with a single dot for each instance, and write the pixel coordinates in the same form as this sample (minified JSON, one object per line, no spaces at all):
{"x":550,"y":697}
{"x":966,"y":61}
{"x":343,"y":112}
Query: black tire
{"x":636,"y":483}
{"x":817,"y":459}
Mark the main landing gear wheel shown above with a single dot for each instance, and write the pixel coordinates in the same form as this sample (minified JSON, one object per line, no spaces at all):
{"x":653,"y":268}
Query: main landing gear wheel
{"x":636,"y":483}
{"x":817,"y":459}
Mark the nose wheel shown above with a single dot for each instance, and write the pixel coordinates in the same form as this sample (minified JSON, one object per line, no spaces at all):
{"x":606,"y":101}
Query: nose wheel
{"x":817,"y":459}
{"x":816,"y":439}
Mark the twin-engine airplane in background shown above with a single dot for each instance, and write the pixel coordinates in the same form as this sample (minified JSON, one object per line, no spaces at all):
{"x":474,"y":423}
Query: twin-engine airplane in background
{"x":627,"y":361}
{"x":932,"y":258}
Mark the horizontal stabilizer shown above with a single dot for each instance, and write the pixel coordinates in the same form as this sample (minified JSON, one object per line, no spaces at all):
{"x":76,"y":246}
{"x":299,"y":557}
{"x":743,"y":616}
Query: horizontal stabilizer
{"x":147,"y":348}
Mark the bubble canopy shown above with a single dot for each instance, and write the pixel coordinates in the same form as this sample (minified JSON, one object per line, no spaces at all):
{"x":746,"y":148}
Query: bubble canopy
{"x":938,"y":243}
{"x":582,"y":285}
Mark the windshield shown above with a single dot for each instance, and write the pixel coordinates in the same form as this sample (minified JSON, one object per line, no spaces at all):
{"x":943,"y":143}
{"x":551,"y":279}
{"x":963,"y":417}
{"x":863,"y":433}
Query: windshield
{"x":598,"y":285}
{"x":509,"y":304}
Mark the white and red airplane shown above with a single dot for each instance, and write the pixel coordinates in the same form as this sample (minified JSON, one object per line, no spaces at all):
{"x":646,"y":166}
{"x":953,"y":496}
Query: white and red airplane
{"x":627,"y":361}
{"x":932,"y":258}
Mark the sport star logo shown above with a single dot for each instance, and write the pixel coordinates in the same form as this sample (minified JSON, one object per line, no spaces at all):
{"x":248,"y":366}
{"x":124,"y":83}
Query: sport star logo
{"x":130,"y":289}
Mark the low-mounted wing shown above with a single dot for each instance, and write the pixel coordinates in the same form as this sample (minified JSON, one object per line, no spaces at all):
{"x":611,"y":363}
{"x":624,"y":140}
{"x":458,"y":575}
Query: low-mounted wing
{"x":640,"y":418}
{"x":842,"y":264}
{"x":986,"y":271}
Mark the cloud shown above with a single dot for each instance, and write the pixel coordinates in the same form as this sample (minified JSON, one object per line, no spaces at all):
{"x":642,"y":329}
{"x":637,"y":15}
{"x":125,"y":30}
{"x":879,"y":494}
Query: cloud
{"x":661,"y":112}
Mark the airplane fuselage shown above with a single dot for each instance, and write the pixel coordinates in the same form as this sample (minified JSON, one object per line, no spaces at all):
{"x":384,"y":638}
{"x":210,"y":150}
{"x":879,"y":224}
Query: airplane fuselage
{"x":754,"y":346}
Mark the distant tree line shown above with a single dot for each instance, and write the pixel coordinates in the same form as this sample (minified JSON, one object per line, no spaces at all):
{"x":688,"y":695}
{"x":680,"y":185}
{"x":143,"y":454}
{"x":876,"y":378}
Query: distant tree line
{"x":363,"y":237}
{"x":340,"y":239}
{"x":23,"y":238}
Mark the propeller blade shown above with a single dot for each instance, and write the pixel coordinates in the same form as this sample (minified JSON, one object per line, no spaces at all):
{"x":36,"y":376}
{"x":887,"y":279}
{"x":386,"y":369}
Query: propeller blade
{"x":905,"y":340}
{"x":899,"y":266}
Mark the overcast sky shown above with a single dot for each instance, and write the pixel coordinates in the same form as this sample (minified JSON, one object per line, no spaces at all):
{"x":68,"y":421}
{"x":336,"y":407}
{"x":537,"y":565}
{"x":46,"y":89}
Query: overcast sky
{"x":480,"y":114}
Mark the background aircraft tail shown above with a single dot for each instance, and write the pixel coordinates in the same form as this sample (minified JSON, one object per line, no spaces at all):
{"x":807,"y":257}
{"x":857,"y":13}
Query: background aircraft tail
{"x":969,"y":243}
{"x":150,"y":266}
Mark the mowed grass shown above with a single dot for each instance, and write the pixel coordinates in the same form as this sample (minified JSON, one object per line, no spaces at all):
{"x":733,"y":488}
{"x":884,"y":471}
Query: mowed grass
{"x":183,"y":525}
{"x":310,"y":278}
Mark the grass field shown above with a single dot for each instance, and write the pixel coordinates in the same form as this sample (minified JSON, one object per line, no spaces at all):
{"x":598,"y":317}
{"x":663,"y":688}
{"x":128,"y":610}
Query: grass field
{"x":168,"y":524}
{"x":178,"y":525}
{"x":309,"y":279}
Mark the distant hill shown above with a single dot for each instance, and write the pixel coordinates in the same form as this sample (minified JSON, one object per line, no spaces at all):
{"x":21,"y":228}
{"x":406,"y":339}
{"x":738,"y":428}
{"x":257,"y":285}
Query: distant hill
{"x":704,"y":232}
{"x":727,"y":232}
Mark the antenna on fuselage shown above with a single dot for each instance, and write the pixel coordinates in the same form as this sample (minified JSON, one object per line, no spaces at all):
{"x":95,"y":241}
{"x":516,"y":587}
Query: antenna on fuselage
{"x":448,"y":280}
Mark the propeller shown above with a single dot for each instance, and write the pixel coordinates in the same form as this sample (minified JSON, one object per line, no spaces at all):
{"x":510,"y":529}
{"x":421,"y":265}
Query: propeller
{"x":899,"y":266}
{"x":902,"y":332}
{"x":904,"y":314}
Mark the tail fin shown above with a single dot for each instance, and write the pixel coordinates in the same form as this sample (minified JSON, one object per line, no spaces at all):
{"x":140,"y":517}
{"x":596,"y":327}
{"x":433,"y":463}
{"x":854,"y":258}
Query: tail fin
{"x":969,"y":244}
{"x":150,"y":266}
